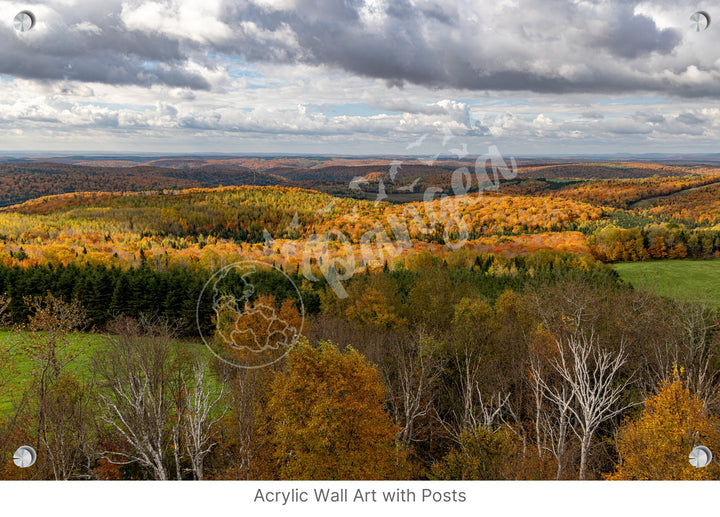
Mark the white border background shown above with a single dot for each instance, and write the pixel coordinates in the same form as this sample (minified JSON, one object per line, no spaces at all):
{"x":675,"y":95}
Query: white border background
{"x":235,"y":498}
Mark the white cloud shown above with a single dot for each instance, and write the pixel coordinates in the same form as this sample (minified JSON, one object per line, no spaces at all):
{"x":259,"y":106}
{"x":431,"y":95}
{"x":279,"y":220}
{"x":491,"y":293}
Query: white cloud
{"x":198,"y":20}
{"x":372,"y":76}
{"x":86,"y":27}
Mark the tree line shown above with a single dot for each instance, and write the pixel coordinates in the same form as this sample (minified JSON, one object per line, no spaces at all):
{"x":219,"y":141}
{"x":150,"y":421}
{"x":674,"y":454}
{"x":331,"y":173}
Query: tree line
{"x":654,"y":241}
{"x":173,"y":293}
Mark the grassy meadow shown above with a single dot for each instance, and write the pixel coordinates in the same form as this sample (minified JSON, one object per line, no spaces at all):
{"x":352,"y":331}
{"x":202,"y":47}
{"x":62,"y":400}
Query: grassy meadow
{"x":81,"y":349}
{"x":686,"y":280}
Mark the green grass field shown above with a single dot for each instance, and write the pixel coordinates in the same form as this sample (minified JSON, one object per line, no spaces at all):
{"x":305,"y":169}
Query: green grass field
{"x":82,"y":348}
{"x":686,"y":280}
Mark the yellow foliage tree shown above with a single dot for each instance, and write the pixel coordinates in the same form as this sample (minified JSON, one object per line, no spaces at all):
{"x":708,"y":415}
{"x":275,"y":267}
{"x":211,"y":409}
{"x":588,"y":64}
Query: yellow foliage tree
{"x":374,"y":307}
{"x":328,"y":420}
{"x":657,"y":445}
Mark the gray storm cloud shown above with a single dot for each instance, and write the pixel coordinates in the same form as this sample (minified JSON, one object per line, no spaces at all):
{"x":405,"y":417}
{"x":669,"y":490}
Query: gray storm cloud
{"x":93,"y":46}
{"x":554,"y":46}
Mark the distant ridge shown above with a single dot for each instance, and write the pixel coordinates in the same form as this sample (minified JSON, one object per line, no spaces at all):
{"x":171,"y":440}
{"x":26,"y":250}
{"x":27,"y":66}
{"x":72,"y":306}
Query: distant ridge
{"x":403,"y":180}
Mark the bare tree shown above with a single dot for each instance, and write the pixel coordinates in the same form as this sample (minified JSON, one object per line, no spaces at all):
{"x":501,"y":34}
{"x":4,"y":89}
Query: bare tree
{"x":695,"y":349}
{"x":197,"y":420}
{"x":136,"y":400}
{"x":476,"y":411}
{"x":552,"y":424}
{"x":410,"y":374}
{"x":466,"y":360}
{"x":537,"y":387}
{"x":590,"y":373}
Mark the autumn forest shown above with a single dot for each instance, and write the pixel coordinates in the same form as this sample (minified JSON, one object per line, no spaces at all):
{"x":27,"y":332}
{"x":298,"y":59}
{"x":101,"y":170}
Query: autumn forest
{"x":449,"y":325}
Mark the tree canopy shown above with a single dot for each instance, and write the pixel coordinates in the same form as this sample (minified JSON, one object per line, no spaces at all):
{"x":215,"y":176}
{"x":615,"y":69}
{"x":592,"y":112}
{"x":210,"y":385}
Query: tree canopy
{"x":328,"y":417}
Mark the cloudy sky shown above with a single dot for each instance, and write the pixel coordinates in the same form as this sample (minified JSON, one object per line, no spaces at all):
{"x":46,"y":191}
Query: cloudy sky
{"x":359,"y":76}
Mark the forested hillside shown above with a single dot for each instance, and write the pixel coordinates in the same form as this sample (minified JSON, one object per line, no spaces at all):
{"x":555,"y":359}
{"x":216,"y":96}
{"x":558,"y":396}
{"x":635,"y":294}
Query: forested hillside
{"x":23,"y":181}
{"x":452,"y":333}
